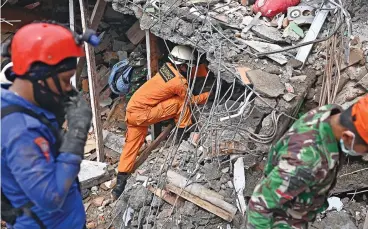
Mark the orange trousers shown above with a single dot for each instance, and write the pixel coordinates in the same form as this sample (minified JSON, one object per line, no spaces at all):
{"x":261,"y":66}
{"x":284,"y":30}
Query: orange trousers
{"x":137,"y":127}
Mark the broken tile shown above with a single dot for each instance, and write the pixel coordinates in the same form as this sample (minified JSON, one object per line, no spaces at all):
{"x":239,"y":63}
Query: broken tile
{"x":266,"y":84}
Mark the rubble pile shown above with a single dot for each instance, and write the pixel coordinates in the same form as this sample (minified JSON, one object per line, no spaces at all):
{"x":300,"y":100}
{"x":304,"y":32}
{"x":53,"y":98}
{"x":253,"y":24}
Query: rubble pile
{"x":225,"y":153}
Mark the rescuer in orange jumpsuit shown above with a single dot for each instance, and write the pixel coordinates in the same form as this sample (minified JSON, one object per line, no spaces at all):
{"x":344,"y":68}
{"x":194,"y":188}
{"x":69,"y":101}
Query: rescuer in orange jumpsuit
{"x":160,"y":98}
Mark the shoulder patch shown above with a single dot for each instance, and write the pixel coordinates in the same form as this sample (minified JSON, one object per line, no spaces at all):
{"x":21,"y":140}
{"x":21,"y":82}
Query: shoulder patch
{"x":44,"y":146}
{"x":166,"y":73}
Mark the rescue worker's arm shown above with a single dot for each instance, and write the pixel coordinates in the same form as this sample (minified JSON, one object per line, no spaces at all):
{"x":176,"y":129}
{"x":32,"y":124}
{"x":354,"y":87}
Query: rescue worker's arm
{"x":45,"y":180}
{"x":287,"y":180}
{"x":180,"y":89}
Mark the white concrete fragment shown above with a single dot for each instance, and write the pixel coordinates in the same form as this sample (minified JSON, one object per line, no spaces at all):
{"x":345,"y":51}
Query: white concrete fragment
{"x":266,"y":47}
{"x":91,"y":169}
{"x":334,"y":203}
{"x":239,"y":183}
{"x":128,"y":216}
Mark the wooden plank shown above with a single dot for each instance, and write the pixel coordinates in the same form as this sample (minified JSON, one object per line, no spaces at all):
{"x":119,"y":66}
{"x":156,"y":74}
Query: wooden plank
{"x":153,"y":56}
{"x":147,"y":151}
{"x":97,"y":13}
{"x":92,"y":82}
{"x":200,"y":191}
{"x":95,"y":20}
{"x":201,"y":203}
{"x":135,"y":34}
{"x":169,"y":197}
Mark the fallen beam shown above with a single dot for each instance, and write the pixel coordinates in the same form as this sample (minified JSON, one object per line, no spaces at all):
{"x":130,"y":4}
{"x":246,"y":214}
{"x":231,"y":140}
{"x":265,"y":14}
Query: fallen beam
{"x":92,"y":82}
{"x":200,"y":191}
{"x":201,"y":203}
{"x":147,"y":151}
{"x":169,"y":197}
{"x":312,"y":33}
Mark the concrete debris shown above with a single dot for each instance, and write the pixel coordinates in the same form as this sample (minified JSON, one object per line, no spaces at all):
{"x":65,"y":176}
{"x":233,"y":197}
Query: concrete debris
{"x":335,"y":220}
{"x":348,"y":93}
{"x":93,"y":173}
{"x":266,"y":84}
{"x":268,"y":33}
{"x":356,"y":73}
{"x":140,"y":198}
{"x":289,"y":96}
{"x":128,"y":216}
{"x":266,"y":47}
{"x":113,"y":141}
{"x":364,"y":82}
{"x":108,"y":184}
{"x":334,"y":203}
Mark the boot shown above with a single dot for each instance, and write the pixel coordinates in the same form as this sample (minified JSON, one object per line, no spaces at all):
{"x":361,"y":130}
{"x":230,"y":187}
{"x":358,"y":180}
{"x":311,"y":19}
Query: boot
{"x":121,"y":181}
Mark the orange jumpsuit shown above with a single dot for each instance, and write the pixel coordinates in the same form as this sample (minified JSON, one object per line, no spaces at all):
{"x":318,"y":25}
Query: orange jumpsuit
{"x":160,"y":98}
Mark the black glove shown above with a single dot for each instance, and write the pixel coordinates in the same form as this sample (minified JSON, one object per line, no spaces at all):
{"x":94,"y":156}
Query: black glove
{"x":78,"y":116}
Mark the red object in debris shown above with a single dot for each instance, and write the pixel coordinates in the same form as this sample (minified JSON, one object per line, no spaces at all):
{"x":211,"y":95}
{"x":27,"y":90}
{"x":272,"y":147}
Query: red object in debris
{"x":270,"y":8}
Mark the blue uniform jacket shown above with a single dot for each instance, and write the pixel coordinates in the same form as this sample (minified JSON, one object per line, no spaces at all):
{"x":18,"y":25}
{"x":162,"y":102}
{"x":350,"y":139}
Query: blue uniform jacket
{"x":31,"y":172}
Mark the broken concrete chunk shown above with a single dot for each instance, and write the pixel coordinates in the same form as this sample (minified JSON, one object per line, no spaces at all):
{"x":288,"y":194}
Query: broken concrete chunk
{"x":113,"y":141}
{"x":140,"y":198}
{"x":266,"y":105}
{"x":266,"y":84}
{"x":348,"y":93}
{"x":266,"y":47}
{"x":335,"y":220}
{"x":93,"y":173}
{"x":288,"y":96}
{"x":364,"y":82}
{"x":268,"y":33}
{"x":356,"y":72}
{"x":294,"y":63}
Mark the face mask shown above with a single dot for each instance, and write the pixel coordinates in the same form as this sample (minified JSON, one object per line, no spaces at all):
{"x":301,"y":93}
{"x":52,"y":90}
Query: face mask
{"x":351,"y":151}
{"x":51,"y":101}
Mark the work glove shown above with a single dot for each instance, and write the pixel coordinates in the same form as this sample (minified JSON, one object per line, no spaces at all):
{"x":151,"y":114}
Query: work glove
{"x":78,"y":117}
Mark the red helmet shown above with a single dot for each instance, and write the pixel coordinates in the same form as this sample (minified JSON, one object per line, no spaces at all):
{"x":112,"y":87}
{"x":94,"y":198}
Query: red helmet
{"x":42,"y":42}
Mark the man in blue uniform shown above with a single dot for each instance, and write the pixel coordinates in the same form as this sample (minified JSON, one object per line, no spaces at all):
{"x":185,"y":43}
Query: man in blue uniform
{"x":39,"y":167}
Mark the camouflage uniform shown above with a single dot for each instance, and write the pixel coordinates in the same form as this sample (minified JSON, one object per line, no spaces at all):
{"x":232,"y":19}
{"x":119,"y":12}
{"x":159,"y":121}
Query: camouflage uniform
{"x":300,"y":171}
{"x":138,"y":78}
